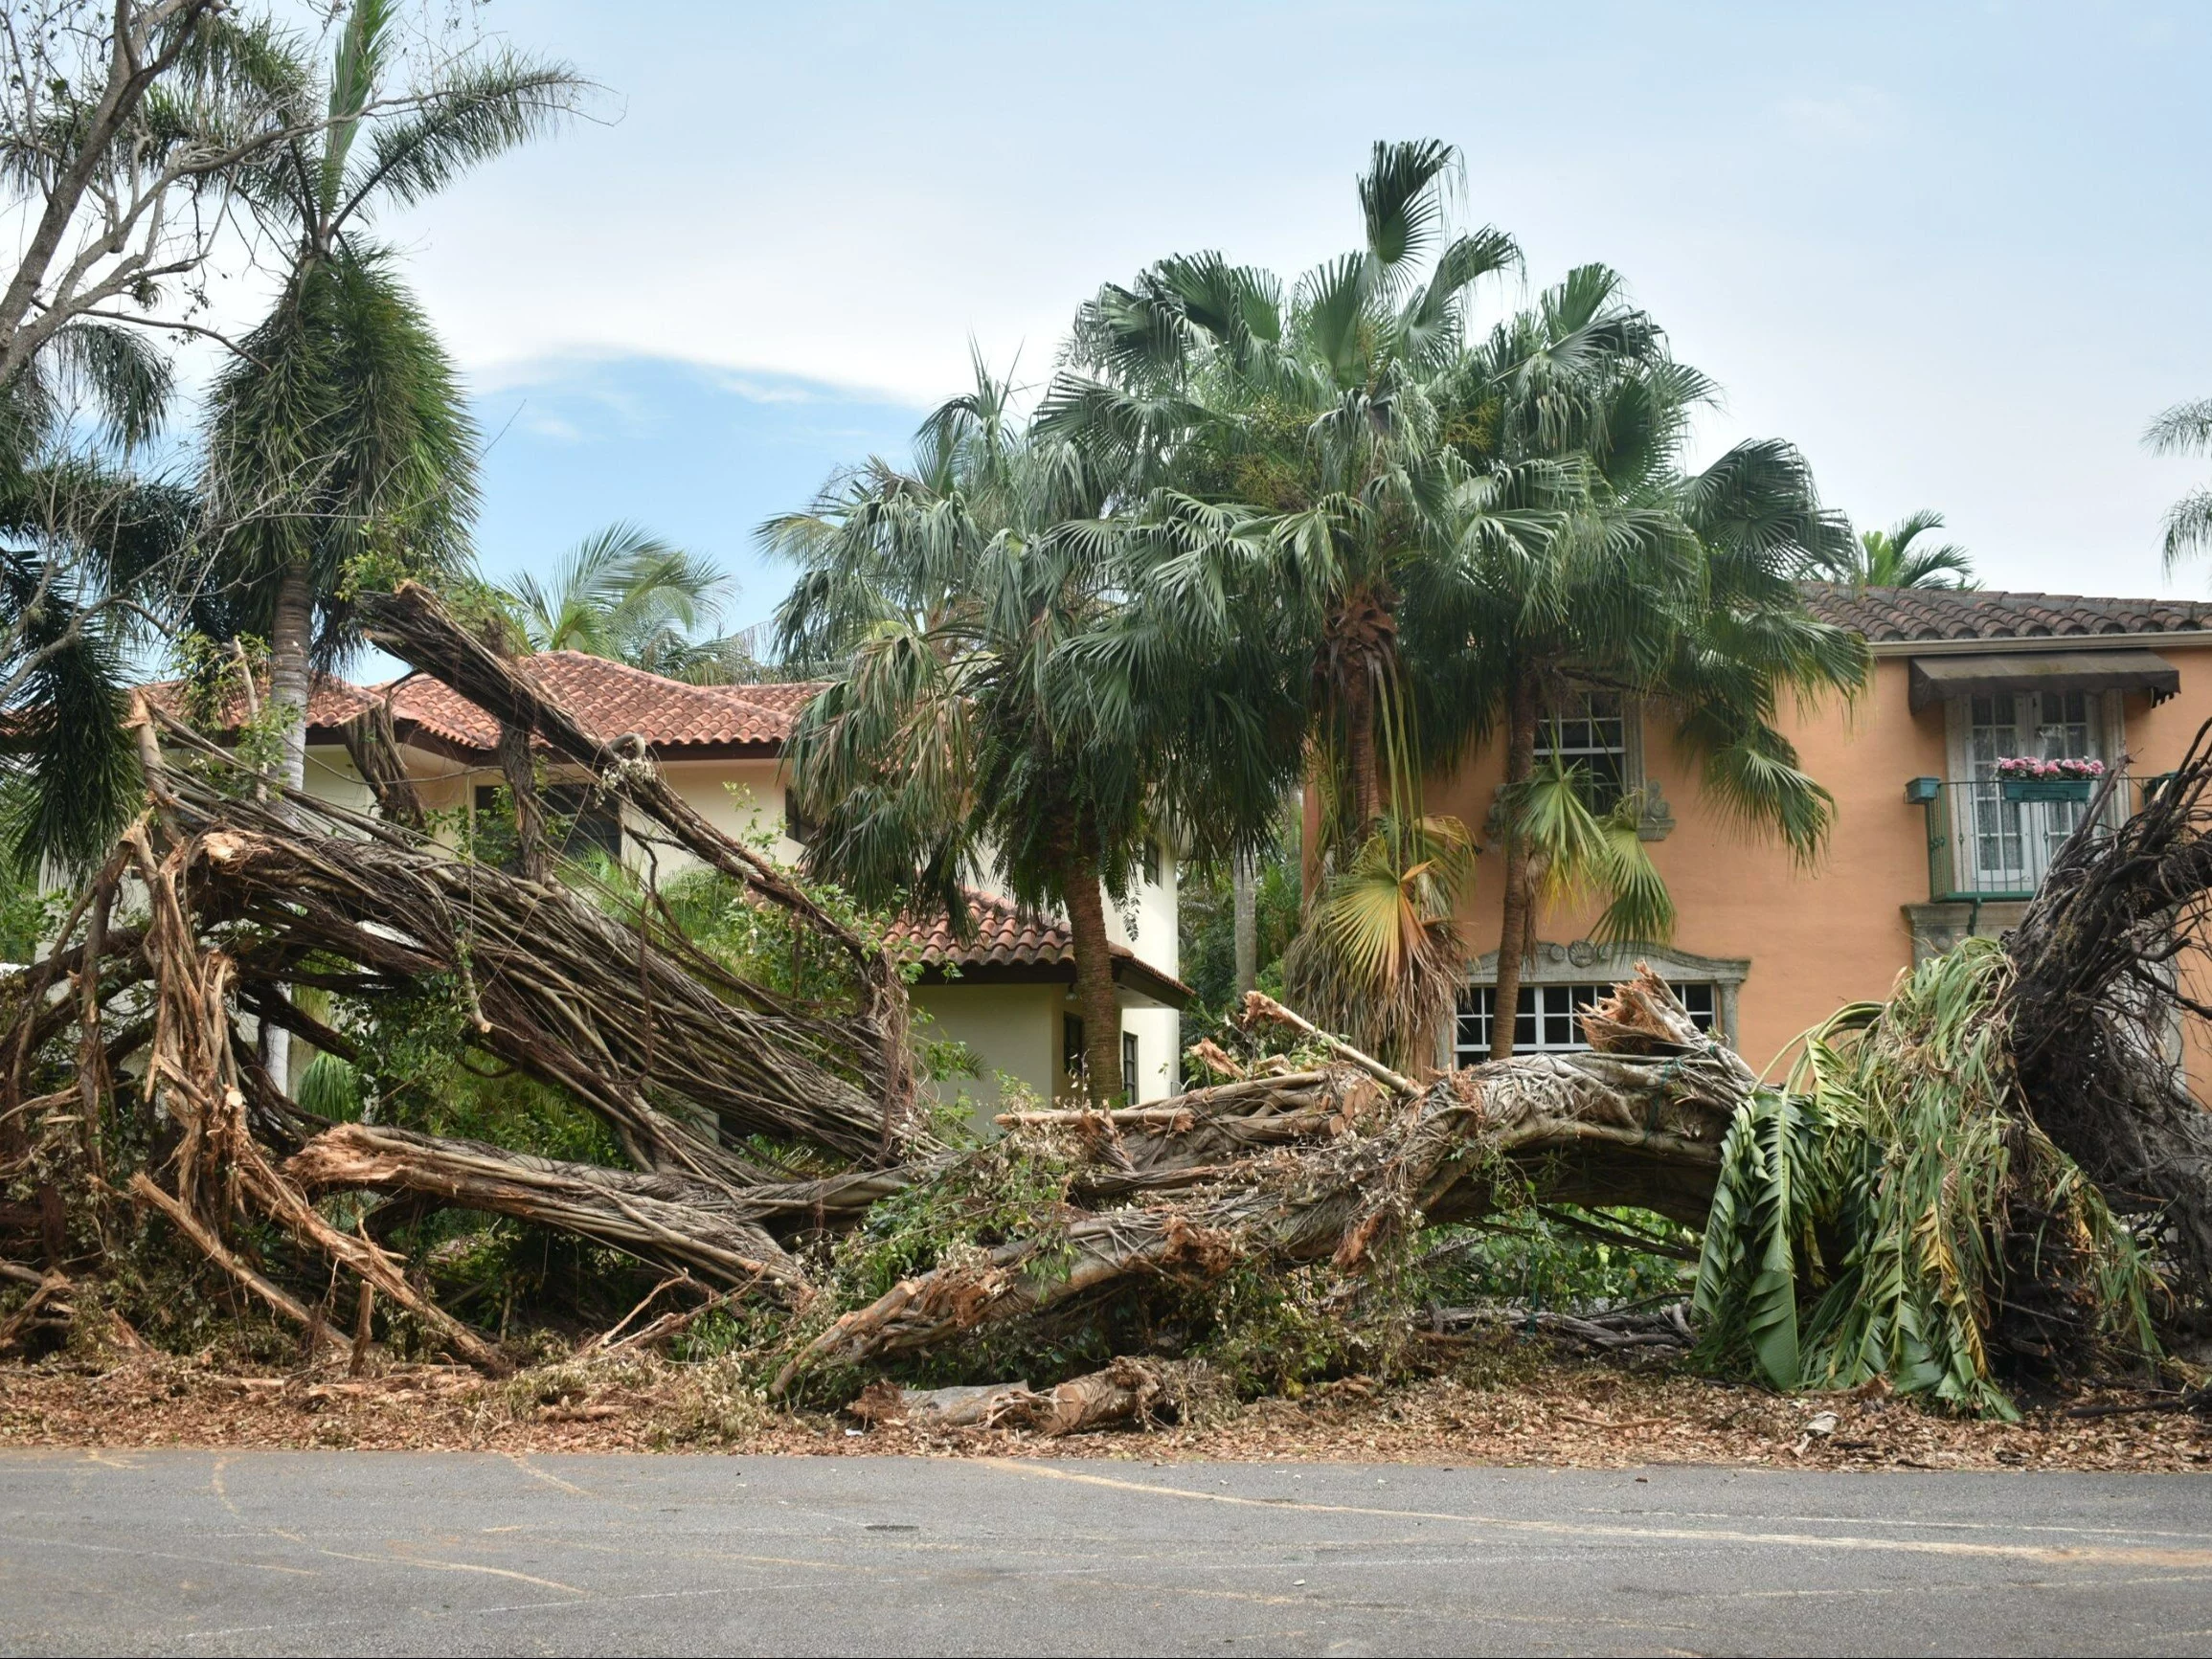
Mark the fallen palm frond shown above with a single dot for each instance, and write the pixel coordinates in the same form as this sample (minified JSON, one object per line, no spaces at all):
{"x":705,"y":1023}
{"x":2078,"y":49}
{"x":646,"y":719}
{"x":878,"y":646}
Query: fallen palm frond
{"x":1894,"y":1211}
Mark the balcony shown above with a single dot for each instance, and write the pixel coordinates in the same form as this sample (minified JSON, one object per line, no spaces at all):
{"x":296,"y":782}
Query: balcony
{"x":1987,"y":845}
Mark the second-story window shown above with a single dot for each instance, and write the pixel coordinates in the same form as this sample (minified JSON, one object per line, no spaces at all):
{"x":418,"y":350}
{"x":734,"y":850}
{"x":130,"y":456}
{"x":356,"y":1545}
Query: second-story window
{"x":1586,"y":731}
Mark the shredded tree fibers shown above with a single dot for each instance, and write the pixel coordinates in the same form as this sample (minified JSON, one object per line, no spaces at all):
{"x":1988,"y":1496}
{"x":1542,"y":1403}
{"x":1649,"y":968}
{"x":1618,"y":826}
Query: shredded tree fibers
{"x":1894,"y":1212}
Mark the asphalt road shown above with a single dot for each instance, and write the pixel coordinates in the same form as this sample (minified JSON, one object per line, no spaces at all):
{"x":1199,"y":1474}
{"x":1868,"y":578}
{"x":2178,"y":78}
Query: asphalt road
{"x":405,"y":1553}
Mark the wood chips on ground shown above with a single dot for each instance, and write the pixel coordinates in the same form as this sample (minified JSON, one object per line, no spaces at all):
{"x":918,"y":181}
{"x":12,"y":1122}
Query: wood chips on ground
{"x":1496,"y":1409}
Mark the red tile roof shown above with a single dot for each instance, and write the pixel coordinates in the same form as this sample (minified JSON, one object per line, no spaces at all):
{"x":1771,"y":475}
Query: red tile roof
{"x":615,"y":701}
{"x":1007,"y":936}
{"x":332,"y":702}
{"x":1911,"y":614}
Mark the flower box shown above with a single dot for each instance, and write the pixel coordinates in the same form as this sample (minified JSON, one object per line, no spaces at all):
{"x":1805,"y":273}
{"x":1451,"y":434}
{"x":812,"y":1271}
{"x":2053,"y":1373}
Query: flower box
{"x":2017,"y":789}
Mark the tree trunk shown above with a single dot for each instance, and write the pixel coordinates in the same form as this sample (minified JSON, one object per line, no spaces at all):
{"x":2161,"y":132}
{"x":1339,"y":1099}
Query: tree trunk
{"x":1244,"y":901}
{"x":291,"y":638}
{"x":1360,"y":760}
{"x":515,"y":766}
{"x":1094,"y":995}
{"x":1516,"y":926}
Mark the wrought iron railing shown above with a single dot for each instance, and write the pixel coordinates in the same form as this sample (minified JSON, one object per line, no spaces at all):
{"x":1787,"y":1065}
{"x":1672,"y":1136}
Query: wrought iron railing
{"x":1990,"y":840}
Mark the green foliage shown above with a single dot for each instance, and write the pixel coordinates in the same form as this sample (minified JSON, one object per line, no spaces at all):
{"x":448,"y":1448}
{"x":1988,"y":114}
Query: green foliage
{"x":1205,"y":921}
{"x":1381,"y":957}
{"x":1006,"y":1188}
{"x":1898,"y":557}
{"x":1535,"y":1258}
{"x":1869,"y":1215}
{"x":628,"y":595}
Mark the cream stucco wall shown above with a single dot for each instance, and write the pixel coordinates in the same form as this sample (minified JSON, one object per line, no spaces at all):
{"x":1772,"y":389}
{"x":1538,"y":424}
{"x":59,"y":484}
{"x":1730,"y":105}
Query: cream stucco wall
{"x":1014,"y":1030}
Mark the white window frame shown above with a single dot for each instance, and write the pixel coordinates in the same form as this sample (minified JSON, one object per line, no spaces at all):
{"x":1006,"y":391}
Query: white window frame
{"x":1583,"y":962}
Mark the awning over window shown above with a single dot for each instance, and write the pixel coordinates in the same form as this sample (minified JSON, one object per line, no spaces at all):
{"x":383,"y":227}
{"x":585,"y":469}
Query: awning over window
{"x":1936,"y":677}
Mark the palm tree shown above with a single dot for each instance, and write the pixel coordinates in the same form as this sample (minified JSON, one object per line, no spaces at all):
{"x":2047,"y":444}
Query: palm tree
{"x":90,"y":553}
{"x":1324,"y":411}
{"x":626,"y":594}
{"x":1462,"y":530}
{"x":1897,"y":557}
{"x":339,"y":446}
{"x":1653,"y":583}
{"x":1002,"y":703}
{"x":1329,"y":411}
{"x":2186,"y":429}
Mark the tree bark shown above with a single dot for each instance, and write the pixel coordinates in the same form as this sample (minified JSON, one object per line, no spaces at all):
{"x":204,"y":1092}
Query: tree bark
{"x":1512,"y":932}
{"x":515,"y":766}
{"x":1245,"y":901}
{"x":1360,"y":744}
{"x":291,"y":638}
{"x":1094,"y":995}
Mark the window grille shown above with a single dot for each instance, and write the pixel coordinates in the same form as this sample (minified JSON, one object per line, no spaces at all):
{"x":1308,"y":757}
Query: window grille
{"x":1586,"y":731}
{"x":1548,"y":1023}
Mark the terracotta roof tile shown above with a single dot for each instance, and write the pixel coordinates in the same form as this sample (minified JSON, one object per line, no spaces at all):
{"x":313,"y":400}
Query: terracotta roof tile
{"x":614,"y":701}
{"x":772,"y":708}
{"x":1893,"y":615}
{"x":330,"y":701}
{"x":1005,"y":935}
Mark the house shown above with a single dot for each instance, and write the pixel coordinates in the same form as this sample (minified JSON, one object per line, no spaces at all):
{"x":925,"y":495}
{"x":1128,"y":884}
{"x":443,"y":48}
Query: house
{"x":1926,"y":846}
{"x":1006,"y":991}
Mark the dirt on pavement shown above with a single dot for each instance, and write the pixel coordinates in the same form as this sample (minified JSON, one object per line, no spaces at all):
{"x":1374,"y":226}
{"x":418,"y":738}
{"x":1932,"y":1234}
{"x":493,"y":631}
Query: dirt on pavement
{"x":1498,"y":1406}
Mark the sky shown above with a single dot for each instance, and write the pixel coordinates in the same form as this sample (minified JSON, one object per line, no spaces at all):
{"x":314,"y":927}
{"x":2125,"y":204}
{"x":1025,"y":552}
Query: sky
{"x":1956,"y":252}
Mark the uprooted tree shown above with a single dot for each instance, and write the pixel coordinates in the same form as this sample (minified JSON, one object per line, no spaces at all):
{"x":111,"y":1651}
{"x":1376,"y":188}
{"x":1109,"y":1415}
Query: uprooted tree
{"x":1999,"y":1170}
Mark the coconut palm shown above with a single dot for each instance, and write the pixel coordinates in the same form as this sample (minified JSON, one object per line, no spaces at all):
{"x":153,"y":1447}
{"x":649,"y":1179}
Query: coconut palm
{"x":339,"y":444}
{"x":1002,"y":706}
{"x":2186,"y":429}
{"x":629,"y":596}
{"x":1899,"y":557}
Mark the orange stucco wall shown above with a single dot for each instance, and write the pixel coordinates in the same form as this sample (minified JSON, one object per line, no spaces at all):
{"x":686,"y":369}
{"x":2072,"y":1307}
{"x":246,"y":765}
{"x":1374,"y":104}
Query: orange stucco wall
{"x":1816,"y":937}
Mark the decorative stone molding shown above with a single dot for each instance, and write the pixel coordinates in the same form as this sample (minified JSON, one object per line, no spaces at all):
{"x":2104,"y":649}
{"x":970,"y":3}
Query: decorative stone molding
{"x":1584,"y":961}
{"x":1937,"y":928}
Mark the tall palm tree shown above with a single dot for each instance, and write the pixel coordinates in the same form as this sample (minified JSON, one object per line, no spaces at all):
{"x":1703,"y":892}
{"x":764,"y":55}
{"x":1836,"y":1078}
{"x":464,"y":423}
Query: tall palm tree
{"x":1003,"y":705}
{"x":1898,"y":557}
{"x":1325,"y":410}
{"x":340,"y":437}
{"x":627,"y":595}
{"x":2186,"y":429}
{"x":1663,"y":586}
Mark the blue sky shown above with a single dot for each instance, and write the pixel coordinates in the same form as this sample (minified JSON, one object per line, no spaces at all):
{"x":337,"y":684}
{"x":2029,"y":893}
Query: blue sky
{"x":1956,"y":252}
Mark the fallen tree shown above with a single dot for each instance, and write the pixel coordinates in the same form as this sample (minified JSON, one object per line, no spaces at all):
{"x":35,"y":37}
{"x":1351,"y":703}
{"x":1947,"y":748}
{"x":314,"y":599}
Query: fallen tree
{"x":1911,"y":1203}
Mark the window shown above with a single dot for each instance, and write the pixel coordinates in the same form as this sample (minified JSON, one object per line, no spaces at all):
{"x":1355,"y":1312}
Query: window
{"x":578,"y":820}
{"x":1129,"y":1063}
{"x":2013,"y":842}
{"x":1585,"y":729}
{"x":1071,"y":1046}
{"x":1548,"y":1023}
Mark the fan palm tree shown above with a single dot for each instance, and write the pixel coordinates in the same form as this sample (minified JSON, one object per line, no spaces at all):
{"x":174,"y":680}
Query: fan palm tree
{"x":1003,"y":706}
{"x":340,"y":438}
{"x":2186,"y":429}
{"x":1654,"y":583}
{"x":1898,"y":557}
{"x":1323,"y":405}
{"x":1461,"y":526}
{"x":627,"y":595}
{"x":1322,"y":410}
